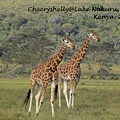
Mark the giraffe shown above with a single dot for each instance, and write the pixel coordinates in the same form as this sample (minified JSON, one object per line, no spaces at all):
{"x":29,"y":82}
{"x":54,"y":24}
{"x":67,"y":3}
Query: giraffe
{"x":46,"y":74}
{"x":70,"y":71}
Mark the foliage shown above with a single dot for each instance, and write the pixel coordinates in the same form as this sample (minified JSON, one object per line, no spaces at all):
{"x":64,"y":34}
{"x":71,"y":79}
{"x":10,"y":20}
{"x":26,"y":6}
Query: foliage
{"x":28,"y":37}
{"x":67,"y":28}
{"x":102,"y":102}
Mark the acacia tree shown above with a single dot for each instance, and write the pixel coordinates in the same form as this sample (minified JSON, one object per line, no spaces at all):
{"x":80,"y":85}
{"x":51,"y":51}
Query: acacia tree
{"x":104,"y":55}
{"x":56,"y":29}
{"x":67,"y":28}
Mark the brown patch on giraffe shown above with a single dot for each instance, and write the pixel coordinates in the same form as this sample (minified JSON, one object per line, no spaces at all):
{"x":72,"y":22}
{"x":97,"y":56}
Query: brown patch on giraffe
{"x":84,"y":45}
{"x":57,"y":59}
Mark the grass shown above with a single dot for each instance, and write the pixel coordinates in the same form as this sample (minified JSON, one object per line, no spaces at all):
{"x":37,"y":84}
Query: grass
{"x":94,"y":100}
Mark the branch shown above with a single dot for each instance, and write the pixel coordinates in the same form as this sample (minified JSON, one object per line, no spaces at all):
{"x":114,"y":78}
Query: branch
{"x":13,"y":67}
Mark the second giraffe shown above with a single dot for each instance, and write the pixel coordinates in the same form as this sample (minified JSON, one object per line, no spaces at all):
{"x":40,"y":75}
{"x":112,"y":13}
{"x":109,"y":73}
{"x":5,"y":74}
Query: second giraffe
{"x":71,"y":71}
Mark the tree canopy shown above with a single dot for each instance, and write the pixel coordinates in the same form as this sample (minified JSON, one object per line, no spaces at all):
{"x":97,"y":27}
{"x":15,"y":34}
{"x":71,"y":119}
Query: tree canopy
{"x":28,"y":37}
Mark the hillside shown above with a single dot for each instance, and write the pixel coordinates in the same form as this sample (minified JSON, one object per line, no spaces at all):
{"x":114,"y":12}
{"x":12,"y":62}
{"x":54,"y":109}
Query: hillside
{"x":30,"y":31}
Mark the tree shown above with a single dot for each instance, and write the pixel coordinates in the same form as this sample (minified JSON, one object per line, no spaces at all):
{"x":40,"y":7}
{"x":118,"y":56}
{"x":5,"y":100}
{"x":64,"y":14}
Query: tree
{"x":56,"y":29}
{"x":55,"y":19}
{"x":67,"y":28}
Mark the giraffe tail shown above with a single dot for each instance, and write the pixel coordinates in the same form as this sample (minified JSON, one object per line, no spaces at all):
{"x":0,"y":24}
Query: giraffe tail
{"x":56,"y":90}
{"x":27,"y":98}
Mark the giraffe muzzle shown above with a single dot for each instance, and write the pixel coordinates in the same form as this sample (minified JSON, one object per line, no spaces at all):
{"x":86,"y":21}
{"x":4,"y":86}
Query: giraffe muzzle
{"x":73,"y":47}
{"x":98,"y":40}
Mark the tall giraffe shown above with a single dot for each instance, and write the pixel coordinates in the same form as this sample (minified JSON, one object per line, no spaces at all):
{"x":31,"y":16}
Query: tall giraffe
{"x":46,"y":74}
{"x":70,"y":70}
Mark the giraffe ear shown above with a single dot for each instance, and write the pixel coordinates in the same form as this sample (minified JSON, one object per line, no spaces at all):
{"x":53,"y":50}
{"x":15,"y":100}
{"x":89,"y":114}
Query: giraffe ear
{"x":62,"y":40}
{"x":88,"y":35}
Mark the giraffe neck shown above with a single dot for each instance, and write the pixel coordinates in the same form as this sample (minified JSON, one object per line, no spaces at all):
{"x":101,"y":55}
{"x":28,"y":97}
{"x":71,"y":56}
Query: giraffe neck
{"x":55,"y":59}
{"x":61,"y":53}
{"x":78,"y":56}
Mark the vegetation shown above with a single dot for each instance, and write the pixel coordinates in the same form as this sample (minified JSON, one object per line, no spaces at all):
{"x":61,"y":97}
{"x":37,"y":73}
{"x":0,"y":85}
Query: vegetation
{"x":29,"y":32}
{"x":95,"y":100}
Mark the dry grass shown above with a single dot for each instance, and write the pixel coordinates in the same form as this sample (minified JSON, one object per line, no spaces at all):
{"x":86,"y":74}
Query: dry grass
{"x":94,"y":100}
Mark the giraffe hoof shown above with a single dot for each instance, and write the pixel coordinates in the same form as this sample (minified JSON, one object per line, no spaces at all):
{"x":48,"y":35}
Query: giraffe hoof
{"x":36,"y":114}
{"x":29,"y":113}
{"x":59,"y":106}
{"x":72,"y":107}
{"x":68,"y":107}
{"x":53,"y":115}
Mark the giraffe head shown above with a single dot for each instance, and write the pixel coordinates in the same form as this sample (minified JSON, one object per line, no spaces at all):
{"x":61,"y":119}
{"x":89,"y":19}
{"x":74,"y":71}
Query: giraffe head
{"x":92,"y":35}
{"x":68,"y":43}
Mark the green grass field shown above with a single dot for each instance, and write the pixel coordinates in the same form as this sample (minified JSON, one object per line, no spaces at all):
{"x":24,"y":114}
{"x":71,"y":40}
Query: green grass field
{"x":94,"y":100}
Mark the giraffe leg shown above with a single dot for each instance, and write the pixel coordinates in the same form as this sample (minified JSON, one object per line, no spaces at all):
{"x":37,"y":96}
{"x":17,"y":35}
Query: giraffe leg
{"x":52,"y":97}
{"x":65,"y":91}
{"x":71,"y":91}
{"x":73,"y":95}
{"x":41,"y":98}
{"x":37,"y":97}
{"x":31,"y":97}
{"x":59,"y":91}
